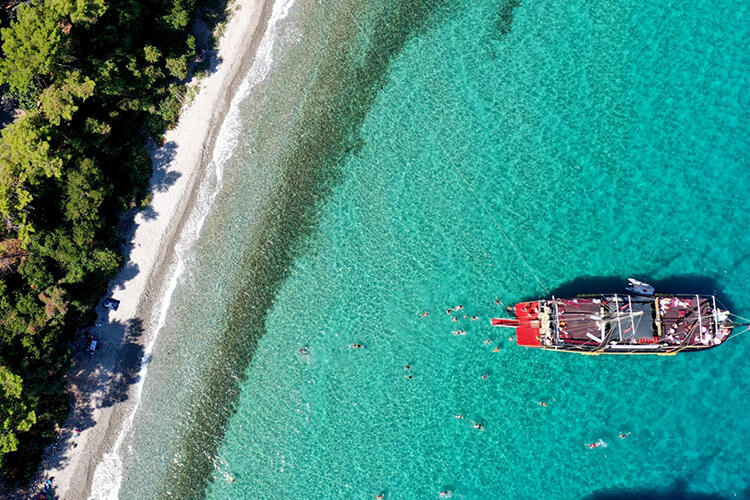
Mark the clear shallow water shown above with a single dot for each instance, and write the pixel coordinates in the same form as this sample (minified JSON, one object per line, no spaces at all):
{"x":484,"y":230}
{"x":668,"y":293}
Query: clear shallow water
{"x":607,"y":140}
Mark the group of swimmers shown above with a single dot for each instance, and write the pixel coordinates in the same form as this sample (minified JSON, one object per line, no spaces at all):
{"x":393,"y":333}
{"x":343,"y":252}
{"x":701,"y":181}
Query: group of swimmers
{"x":443,"y":493}
{"x":602,"y":444}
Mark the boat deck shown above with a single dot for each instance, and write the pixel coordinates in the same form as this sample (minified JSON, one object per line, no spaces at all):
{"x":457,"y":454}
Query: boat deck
{"x":629,"y":321}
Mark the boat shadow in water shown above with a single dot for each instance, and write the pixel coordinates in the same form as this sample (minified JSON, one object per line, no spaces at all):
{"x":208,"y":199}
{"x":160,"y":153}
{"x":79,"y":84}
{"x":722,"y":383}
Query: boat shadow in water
{"x":678,"y":284}
{"x":677,"y":491}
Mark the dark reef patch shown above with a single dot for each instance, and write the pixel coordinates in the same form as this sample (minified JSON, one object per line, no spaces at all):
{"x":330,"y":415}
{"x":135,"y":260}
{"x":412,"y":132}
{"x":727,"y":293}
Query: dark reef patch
{"x":505,"y":15}
{"x":352,"y":69}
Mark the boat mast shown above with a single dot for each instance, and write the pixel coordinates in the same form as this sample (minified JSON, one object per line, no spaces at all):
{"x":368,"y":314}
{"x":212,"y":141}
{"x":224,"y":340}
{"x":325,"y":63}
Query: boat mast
{"x":557,"y":320}
{"x":700,"y":318}
{"x":632,"y":319}
{"x":619,"y":323}
{"x":716,"y":315}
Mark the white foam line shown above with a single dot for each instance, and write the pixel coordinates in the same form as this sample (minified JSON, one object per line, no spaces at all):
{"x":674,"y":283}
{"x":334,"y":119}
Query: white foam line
{"x":108,"y":474}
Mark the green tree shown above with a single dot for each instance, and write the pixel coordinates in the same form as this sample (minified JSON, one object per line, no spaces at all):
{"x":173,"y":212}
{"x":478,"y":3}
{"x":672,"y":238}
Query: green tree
{"x":25,"y":159}
{"x":33,"y":46}
{"x":14,"y":416}
{"x":58,"y":101}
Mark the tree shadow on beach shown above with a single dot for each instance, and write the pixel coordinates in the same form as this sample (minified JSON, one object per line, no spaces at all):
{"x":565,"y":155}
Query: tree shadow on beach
{"x":163,"y":178}
{"x":677,"y":491}
{"x":128,"y":272}
{"x":99,"y":380}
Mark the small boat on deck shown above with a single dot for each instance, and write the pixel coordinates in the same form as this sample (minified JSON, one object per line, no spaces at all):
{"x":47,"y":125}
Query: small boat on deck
{"x":643,"y":322}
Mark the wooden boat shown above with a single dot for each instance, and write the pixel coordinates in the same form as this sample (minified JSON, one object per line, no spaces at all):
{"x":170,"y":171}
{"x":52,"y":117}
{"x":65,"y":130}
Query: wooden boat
{"x":652,"y":323}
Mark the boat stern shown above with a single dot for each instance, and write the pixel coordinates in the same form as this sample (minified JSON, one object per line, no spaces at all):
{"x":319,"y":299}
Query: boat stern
{"x":528,"y":331}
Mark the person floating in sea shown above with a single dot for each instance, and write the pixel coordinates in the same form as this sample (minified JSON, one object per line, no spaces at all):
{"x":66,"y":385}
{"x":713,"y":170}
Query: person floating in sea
{"x":543,"y":403}
{"x":623,"y":436}
{"x":380,"y":496}
{"x":477,"y":426}
{"x":484,"y":376}
{"x":424,"y":314}
{"x":446,"y":493}
{"x":303,"y":350}
{"x":459,"y":332}
{"x":474,"y":318}
{"x":407,"y":367}
{"x":448,"y":311}
{"x":458,"y":308}
{"x":496,"y":349}
{"x":487,"y":341}
{"x":598,"y":444}
{"x":454,"y":319}
{"x":409,"y":376}
{"x":458,"y":416}
{"x":357,"y":346}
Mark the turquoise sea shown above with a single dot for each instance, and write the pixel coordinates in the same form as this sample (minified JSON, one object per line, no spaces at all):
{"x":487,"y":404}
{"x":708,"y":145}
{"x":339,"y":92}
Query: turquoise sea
{"x":403,"y":157}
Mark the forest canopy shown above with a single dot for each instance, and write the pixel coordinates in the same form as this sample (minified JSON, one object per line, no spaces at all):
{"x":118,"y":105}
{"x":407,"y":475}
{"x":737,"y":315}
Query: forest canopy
{"x":91,"y":81}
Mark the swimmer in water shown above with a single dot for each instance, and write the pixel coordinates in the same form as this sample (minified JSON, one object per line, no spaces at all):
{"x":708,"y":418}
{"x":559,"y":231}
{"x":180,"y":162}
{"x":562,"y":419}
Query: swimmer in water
{"x":623,"y":436}
{"x":407,"y":367}
{"x":380,"y":496}
{"x":409,"y":376}
{"x":458,"y":308}
{"x":496,"y":349}
{"x":459,"y":332}
{"x":357,"y":346}
{"x":542,"y":403}
{"x":454,"y":319}
{"x":448,"y":311}
{"x":477,"y":426}
{"x":596,"y":445}
{"x":303,"y":350}
{"x":446,"y":493}
{"x":474,"y":318}
{"x":487,"y":341}
{"x":484,"y":376}
{"x":466,"y":316}
{"x":424,"y":314}
{"x":458,"y":416}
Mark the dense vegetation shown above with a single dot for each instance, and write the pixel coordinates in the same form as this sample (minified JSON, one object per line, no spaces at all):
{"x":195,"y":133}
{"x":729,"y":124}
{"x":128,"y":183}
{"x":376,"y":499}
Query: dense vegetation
{"x":91,"y":79}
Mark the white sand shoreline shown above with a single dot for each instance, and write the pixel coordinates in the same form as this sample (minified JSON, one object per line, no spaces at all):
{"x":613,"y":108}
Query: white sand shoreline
{"x":103,"y":384}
